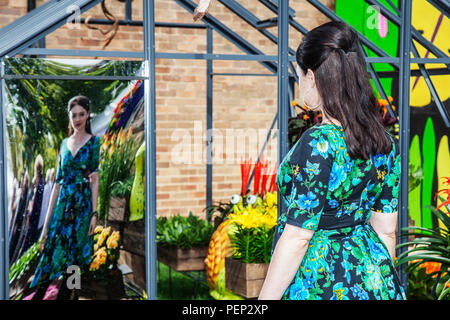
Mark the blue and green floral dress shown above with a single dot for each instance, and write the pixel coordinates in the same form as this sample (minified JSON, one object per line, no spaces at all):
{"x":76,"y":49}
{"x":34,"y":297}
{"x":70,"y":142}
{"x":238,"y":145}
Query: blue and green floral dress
{"x":68,"y":242}
{"x":328,"y":192}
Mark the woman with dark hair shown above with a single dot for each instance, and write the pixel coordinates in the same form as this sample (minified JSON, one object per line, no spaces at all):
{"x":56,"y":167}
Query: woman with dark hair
{"x":67,"y":235}
{"x":32,"y":217}
{"x":340,"y":183}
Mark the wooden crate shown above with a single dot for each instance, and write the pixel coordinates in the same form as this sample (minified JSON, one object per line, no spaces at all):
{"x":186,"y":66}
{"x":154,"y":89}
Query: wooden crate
{"x":118,"y":208}
{"x":182,"y":259}
{"x":134,"y":237}
{"x":245,"y":279}
{"x":95,"y":290}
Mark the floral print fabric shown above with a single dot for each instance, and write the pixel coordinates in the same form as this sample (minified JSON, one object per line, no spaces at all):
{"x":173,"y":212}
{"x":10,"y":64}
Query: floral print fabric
{"x":68,"y":242}
{"x":328,"y":192}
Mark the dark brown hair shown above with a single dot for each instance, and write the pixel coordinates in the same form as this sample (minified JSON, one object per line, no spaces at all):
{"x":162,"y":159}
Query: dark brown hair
{"x":38,"y":166}
{"x":83,"y":102}
{"x":333,"y":52}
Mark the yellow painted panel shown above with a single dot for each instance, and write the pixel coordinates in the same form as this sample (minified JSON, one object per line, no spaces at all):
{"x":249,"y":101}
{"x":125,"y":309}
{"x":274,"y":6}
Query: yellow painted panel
{"x":443,"y":169}
{"x":425,"y":18}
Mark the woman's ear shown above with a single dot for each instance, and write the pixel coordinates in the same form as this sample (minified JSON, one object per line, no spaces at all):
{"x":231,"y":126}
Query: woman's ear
{"x":311,"y":77}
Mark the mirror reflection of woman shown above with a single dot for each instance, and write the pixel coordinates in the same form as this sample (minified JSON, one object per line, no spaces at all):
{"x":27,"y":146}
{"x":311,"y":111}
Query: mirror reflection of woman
{"x":67,"y":235}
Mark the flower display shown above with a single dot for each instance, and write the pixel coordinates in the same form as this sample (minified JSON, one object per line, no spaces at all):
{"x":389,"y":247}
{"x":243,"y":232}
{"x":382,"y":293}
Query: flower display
{"x":106,"y":253}
{"x":117,"y":154}
{"x":262,"y":176}
{"x":304,"y":120}
{"x":252,"y":229}
{"x":124,"y":109}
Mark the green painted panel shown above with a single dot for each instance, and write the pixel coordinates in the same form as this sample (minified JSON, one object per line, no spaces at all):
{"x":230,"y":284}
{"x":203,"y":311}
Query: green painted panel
{"x":429,"y":162}
{"x":415,"y":158}
{"x":383,"y":33}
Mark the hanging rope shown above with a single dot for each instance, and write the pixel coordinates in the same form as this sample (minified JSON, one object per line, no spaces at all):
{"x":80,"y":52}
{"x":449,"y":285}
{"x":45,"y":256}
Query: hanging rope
{"x":109,"y":33}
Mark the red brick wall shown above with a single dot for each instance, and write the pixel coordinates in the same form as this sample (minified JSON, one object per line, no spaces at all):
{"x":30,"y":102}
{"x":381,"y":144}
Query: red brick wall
{"x":240,"y":103}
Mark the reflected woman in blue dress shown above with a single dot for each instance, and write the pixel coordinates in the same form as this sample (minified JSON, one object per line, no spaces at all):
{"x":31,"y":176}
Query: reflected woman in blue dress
{"x":67,"y":236}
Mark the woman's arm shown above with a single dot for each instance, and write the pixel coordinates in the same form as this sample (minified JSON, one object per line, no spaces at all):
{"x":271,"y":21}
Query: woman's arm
{"x":94,"y":199}
{"x":286,"y":260}
{"x":53,"y":197}
{"x":94,"y":190}
{"x":385,"y":225}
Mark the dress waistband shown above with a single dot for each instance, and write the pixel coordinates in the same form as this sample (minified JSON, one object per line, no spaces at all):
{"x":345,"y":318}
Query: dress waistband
{"x":344,"y":231}
{"x":73,"y":180}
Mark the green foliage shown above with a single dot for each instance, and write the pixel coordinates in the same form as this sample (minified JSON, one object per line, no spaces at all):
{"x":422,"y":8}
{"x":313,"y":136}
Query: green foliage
{"x":122,"y":188}
{"x":183,"y":232}
{"x":252,"y":245}
{"x":428,"y":246}
{"x":21,"y":266}
{"x":420,"y":284}
{"x":415,"y":177}
{"x":173,"y":285}
{"x":115,"y":166}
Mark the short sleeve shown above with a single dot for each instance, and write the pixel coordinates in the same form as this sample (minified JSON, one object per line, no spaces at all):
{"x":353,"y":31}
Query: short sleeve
{"x":387,"y":201}
{"x":311,"y":162}
{"x":95,"y":157}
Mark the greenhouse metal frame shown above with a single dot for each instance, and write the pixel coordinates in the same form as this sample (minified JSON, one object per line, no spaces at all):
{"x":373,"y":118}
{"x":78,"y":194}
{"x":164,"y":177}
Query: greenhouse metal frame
{"x":20,"y":37}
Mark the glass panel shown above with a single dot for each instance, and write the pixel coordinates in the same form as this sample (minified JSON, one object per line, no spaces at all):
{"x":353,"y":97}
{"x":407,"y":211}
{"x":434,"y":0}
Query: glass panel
{"x":54,"y":161}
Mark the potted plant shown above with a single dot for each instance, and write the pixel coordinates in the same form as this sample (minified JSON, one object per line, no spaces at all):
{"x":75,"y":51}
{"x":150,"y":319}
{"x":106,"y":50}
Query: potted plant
{"x":103,"y":279}
{"x":428,"y":256}
{"x":117,"y":158}
{"x":120,"y":196}
{"x":251,"y":240}
{"x":183,"y":241}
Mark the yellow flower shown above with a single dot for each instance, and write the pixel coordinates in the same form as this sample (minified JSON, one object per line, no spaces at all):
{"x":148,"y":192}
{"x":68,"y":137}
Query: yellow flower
{"x":101,"y":239}
{"x":106,"y":231}
{"x":115,"y":235}
{"x":119,"y":136}
{"x":130,"y":132}
{"x":101,"y":259}
{"x":98,"y":229}
{"x":271,"y":199}
{"x":111,"y":151}
{"x":111,"y":243}
{"x":94,"y":265}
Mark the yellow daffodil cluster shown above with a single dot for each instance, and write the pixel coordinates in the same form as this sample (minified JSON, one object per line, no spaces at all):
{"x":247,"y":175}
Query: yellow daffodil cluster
{"x":259,"y":215}
{"x":99,"y":258}
{"x":113,"y":240}
{"x":101,"y":251}
{"x":103,"y":235}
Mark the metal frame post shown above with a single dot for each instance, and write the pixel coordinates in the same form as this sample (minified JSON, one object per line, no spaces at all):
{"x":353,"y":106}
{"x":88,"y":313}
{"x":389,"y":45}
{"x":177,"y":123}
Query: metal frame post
{"x":404,"y":98}
{"x":283,"y":88}
{"x":209,"y":118}
{"x":150,"y":150}
{"x":4,"y":220}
